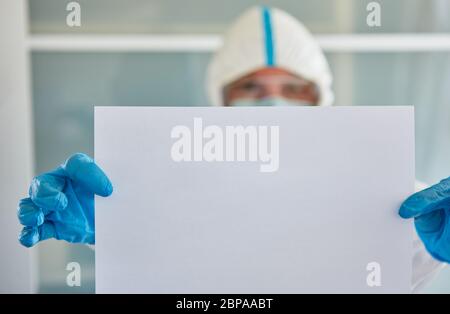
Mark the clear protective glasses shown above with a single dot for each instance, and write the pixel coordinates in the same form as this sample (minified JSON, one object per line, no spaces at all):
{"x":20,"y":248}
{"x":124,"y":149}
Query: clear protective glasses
{"x":283,"y":86}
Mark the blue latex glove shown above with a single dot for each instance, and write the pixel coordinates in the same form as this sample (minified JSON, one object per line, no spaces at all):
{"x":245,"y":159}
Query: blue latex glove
{"x":61,"y":203}
{"x":431,"y":211}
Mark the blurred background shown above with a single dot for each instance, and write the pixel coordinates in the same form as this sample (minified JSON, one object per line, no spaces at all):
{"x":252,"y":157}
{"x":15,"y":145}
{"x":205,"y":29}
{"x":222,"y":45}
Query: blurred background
{"x":155,"y":52}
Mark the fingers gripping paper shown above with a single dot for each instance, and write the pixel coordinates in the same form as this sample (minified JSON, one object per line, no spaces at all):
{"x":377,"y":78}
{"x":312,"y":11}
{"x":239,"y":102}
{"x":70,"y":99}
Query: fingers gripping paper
{"x":254,"y":200}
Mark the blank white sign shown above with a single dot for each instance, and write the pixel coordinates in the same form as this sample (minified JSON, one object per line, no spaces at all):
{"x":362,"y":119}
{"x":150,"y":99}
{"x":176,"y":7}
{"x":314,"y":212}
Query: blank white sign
{"x":324,"y":221}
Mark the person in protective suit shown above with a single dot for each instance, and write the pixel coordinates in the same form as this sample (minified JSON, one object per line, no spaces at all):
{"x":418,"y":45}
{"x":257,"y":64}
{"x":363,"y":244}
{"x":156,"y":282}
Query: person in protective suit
{"x":268,"y":59}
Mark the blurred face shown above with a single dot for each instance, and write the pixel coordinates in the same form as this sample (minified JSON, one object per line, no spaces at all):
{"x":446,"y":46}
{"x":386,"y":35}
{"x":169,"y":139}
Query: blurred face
{"x":270,"y":86}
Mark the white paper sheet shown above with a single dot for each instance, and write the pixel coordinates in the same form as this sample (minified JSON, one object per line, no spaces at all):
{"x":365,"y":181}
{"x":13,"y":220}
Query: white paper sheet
{"x":322,"y":219}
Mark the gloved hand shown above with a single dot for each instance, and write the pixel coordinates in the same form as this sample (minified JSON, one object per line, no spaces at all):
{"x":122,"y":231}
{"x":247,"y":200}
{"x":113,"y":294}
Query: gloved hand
{"x":431,"y":211}
{"x":61,"y":203}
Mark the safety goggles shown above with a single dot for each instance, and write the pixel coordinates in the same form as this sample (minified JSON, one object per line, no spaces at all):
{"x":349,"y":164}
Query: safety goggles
{"x":278,"y":85}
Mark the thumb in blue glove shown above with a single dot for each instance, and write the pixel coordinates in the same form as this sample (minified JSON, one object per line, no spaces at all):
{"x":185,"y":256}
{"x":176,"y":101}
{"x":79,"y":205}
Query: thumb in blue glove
{"x":61,"y":203}
{"x":430,"y":209}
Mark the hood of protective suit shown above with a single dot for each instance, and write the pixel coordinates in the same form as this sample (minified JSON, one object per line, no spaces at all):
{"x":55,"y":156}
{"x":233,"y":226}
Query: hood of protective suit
{"x":268,"y":37}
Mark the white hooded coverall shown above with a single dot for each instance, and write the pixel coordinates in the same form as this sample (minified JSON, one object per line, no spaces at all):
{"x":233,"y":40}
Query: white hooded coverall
{"x":268,"y":37}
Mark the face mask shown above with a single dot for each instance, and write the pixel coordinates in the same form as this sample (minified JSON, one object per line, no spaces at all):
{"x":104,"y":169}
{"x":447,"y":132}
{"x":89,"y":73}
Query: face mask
{"x":272,"y":101}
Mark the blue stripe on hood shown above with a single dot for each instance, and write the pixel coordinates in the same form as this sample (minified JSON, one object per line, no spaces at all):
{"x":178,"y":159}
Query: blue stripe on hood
{"x":268,"y":37}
